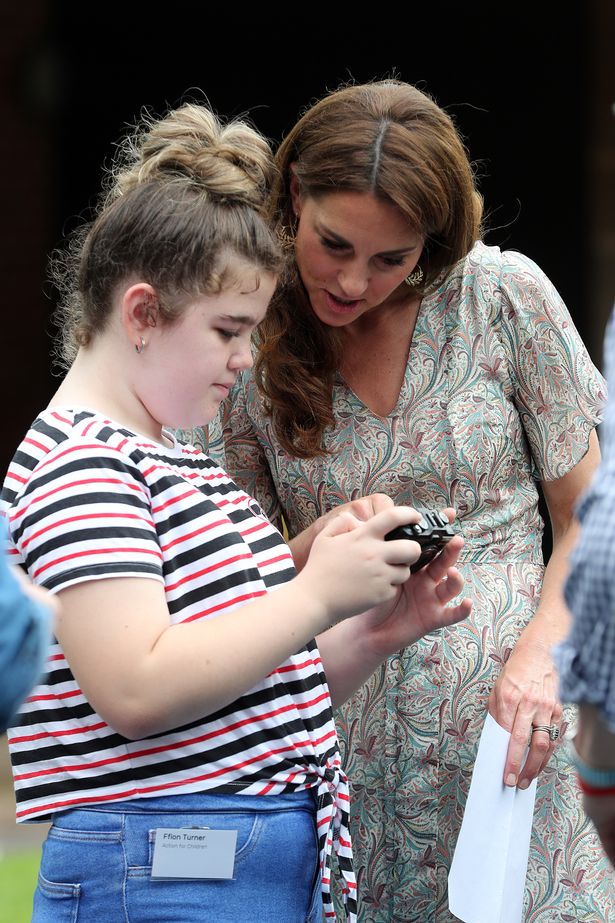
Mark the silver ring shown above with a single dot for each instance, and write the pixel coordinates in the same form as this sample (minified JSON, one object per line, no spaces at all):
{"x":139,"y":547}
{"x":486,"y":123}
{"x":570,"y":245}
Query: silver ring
{"x":551,"y":729}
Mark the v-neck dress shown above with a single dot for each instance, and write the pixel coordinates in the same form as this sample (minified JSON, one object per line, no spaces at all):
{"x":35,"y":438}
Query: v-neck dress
{"x":498,"y":392}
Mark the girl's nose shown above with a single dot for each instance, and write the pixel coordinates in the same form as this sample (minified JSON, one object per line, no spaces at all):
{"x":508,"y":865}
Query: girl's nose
{"x":241,"y":357}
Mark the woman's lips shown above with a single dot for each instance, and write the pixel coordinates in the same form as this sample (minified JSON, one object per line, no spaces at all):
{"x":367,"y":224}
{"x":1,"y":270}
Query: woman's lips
{"x":340,"y":305}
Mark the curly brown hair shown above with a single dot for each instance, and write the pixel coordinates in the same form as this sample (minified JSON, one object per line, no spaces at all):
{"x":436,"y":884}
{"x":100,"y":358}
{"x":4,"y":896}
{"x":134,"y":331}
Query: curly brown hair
{"x":391,"y":140}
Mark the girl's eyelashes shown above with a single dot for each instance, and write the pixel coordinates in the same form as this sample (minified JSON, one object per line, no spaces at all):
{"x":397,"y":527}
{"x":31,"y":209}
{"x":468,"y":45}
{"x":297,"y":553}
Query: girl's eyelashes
{"x":227,"y":334}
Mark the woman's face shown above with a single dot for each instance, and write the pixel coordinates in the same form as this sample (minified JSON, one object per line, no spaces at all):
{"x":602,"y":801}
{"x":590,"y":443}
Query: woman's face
{"x":353,"y":251}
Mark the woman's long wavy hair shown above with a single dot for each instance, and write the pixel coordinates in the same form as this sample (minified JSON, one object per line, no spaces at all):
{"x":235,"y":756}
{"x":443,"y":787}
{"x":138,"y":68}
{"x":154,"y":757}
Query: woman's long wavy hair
{"x":391,"y":140}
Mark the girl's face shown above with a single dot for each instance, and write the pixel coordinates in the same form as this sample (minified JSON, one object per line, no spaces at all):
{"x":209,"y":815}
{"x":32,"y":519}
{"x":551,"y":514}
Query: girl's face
{"x":353,"y":251}
{"x":188,"y":367}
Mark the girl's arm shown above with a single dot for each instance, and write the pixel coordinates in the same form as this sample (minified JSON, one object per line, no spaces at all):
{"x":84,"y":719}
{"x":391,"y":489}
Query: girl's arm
{"x":144,"y":675}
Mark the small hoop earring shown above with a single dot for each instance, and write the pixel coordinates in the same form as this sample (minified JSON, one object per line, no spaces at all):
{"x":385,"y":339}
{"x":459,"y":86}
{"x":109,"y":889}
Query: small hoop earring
{"x":141,"y":346}
{"x":415,"y":278}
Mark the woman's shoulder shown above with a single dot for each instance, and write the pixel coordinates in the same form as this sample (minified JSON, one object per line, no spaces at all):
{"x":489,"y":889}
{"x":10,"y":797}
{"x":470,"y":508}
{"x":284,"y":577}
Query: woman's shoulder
{"x":490,"y":261}
{"x":489,"y":274}
{"x":474,"y":282}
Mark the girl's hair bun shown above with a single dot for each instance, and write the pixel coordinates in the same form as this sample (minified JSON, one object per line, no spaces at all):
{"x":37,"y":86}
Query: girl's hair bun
{"x":231,"y":162}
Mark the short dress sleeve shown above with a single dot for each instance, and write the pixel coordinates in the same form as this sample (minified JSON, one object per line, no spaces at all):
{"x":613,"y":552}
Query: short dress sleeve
{"x":559,"y":393}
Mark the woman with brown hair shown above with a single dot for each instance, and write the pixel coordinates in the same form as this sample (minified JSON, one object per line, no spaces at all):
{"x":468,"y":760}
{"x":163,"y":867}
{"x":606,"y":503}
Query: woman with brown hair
{"x":404,"y":356}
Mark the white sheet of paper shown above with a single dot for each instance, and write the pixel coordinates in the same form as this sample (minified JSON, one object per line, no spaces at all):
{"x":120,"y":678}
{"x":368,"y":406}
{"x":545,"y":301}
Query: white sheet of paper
{"x":487,"y":876}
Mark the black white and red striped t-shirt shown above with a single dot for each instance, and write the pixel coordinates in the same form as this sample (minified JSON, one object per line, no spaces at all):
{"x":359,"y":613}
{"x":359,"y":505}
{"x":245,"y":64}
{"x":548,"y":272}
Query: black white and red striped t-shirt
{"x":85,"y":500}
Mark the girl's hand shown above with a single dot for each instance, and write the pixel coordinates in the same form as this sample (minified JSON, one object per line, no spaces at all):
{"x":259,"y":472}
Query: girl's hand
{"x":351,"y":568}
{"x":362,"y":509}
{"x":352,"y":649}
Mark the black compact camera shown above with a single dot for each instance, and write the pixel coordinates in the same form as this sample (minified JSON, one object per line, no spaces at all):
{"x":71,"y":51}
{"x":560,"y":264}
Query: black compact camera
{"x":432,"y":533}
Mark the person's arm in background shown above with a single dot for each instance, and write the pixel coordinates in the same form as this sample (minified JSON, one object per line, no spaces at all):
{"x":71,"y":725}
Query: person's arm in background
{"x":595,"y":746}
{"x":25,"y":628}
{"x":586,"y":659}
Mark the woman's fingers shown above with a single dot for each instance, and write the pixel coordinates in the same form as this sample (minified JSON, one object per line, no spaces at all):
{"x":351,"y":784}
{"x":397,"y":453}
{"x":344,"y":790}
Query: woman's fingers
{"x":439,"y":566}
{"x":529,"y":750}
{"x":542,"y":742}
{"x":450,"y":586}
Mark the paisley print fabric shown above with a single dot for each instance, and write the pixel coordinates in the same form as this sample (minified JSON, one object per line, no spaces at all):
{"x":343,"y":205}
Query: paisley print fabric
{"x":499,"y":392}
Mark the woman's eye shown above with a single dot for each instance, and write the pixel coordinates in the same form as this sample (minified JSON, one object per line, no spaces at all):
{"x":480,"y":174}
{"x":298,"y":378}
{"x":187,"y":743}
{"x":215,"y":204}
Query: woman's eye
{"x":332,"y":244}
{"x":227,"y":334}
{"x":392,"y":260}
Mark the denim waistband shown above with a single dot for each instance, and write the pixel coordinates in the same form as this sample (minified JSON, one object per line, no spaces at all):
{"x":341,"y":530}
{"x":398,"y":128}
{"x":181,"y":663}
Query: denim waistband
{"x":302,"y":800}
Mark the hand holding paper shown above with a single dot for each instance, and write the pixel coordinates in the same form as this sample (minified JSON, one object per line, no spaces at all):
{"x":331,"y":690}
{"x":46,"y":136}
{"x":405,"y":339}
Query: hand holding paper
{"x":487,"y":877}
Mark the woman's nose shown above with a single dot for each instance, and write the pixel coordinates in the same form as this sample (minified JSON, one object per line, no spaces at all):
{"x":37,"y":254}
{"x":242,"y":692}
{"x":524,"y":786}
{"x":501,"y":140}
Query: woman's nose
{"x":353,"y":281}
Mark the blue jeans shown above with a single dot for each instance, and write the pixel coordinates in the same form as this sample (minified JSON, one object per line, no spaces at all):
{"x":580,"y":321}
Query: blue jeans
{"x":96,"y":863}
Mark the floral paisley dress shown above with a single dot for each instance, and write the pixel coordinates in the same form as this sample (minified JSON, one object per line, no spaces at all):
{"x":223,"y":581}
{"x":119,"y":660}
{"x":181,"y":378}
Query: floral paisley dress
{"x":499,"y":392}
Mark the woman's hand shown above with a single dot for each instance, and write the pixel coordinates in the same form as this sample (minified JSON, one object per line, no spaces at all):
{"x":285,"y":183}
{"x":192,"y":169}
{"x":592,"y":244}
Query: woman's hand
{"x":421,"y":605}
{"x":353,"y":649}
{"x":525,"y":696}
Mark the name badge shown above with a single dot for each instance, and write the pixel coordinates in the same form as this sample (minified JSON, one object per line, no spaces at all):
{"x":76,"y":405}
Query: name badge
{"x":193,"y":852}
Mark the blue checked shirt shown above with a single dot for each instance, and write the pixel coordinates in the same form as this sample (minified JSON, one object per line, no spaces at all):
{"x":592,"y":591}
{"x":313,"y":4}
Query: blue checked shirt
{"x":586,"y":659}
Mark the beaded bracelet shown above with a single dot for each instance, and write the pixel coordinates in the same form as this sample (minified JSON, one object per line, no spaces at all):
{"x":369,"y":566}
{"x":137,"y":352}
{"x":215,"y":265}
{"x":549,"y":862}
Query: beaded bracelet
{"x":594,"y":781}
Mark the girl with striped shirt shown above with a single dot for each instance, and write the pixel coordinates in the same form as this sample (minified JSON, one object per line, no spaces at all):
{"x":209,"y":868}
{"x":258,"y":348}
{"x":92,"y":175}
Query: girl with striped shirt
{"x":182,"y":743}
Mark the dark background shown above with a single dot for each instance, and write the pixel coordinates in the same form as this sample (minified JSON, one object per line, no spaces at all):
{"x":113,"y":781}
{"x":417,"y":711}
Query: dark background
{"x":530,"y":88}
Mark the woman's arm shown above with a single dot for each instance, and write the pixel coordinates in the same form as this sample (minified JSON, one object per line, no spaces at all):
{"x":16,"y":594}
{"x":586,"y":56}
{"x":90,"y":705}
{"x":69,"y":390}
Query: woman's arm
{"x":525,"y":693}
